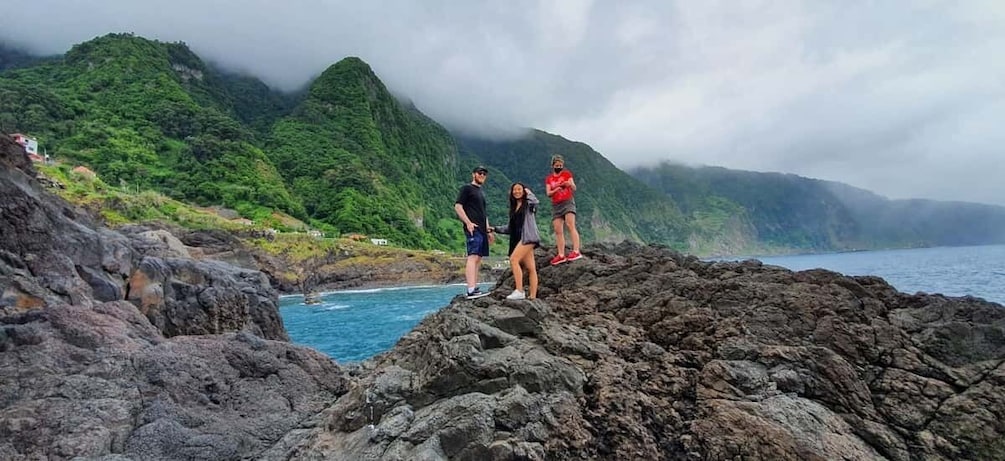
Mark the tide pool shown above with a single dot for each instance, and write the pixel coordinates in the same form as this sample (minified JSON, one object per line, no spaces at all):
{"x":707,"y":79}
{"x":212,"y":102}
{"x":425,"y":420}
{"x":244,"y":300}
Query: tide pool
{"x":354,"y":325}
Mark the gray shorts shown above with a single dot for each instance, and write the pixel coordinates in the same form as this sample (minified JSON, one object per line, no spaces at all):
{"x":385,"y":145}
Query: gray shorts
{"x":560,"y":209}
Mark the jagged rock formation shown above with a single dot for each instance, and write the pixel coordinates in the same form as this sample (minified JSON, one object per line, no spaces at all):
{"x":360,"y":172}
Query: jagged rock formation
{"x":53,"y":253}
{"x":641,"y":353}
{"x":116,"y":347}
{"x":97,"y":348}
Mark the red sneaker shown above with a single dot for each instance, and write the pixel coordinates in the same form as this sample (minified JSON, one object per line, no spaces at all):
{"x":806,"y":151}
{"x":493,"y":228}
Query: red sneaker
{"x":558,"y":259}
{"x":574,"y":256}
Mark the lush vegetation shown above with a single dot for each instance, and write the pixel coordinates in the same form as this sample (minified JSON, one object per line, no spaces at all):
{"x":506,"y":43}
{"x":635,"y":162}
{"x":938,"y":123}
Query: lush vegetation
{"x":118,"y":205}
{"x":769,"y":212}
{"x":148,"y":115}
{"x":365,"y":163}
{"x":162,"y":128}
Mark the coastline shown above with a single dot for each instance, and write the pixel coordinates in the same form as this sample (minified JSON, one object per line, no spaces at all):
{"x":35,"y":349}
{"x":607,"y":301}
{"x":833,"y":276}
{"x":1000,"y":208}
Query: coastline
{"x":367,"y":288}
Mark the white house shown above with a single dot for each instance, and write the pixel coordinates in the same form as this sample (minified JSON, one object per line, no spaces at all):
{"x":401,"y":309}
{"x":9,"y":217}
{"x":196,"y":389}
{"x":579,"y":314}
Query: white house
{"x":30,"y":146}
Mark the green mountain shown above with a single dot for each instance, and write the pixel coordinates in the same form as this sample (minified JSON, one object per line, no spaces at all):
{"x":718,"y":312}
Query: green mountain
{"x":364,"y":162}
{"x":255,"y":104}
{"x":347,"y":156}
{"x":736,"y":211}
{"x":147,"y":114}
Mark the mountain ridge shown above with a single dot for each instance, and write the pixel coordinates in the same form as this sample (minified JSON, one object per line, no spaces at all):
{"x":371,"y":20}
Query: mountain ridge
{"x":348,"y":157}
{"x":798,"y":213}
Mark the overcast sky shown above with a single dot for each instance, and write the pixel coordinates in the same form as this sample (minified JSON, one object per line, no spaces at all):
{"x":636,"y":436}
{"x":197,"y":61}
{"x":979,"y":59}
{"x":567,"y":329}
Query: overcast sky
{"x":904,"y":98}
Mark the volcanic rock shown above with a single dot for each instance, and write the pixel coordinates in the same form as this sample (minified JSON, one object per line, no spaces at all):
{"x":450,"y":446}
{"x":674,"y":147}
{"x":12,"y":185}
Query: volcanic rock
{"x":639,"y":352}
{"x":112,"y":349}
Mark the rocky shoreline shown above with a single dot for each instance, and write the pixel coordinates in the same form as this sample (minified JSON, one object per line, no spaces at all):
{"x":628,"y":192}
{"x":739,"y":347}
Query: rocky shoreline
{"x":115,"y":346}
{"x":366,"y":271}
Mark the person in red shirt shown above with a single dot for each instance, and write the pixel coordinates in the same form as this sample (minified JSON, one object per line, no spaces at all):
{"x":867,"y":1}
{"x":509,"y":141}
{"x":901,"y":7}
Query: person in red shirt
{"x":560,"y":186}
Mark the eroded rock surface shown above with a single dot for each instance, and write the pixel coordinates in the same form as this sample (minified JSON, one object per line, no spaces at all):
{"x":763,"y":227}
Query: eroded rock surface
{"x":115,"y":346}
{"x":641,"y":353}
{"x":52,"y":253}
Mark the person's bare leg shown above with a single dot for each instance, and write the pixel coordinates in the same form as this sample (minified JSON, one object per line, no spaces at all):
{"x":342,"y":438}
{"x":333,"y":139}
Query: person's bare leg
{"x":558,"y":223}
{"x":531,"y":265}
{"x":514,"y":264}
{"x":570,"y":222}
{"x":471,"y":271}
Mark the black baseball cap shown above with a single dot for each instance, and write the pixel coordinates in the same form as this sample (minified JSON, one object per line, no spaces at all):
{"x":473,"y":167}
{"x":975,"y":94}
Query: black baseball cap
{"x":480,"y":169}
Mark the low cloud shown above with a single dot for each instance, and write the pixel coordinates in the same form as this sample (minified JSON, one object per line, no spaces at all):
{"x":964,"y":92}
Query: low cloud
{"x":901,"y":98}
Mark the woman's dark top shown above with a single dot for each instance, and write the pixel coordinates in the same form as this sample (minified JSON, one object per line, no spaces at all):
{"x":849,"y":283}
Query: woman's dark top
{"x":520,"y":228}
{"x":516,"y":227}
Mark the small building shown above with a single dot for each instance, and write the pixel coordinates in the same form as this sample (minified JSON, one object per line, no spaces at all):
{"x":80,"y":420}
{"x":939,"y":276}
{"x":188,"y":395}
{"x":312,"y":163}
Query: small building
{"x":30,"y":146}
{"x":315,"y":233}
{"x":379,"y":242}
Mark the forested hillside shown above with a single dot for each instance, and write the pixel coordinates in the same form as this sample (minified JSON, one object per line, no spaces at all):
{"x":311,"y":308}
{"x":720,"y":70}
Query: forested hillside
{"x":346,"y":156}
{"x":146,"y":114}
{"x":362,"y":161}
{"x":779,"y":212}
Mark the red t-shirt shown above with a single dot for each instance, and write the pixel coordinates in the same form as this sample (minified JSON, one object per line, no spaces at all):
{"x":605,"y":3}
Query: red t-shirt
{"x":564,"y":192}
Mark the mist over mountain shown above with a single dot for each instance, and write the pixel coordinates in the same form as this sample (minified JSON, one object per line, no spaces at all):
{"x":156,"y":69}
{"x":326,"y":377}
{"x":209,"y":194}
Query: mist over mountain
{"x":12,"y":57}
{"x":347,"y":156}
{"x":788,"y":212}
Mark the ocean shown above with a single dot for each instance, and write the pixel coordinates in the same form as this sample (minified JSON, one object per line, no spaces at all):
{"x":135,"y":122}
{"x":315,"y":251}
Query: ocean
{"x":952,"y":271}
{"x":354,"y":325}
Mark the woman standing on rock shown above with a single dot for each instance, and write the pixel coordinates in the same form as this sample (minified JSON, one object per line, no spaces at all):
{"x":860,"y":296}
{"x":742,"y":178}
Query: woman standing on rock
{"x":560,"y":186}
{"x":523,"y":238}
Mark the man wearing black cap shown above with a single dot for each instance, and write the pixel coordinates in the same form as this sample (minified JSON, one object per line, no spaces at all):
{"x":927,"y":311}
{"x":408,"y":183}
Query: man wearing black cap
{"x":470,"y":208}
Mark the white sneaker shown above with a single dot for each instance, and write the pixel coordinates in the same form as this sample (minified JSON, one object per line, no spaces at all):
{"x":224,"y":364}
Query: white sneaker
{"x":516,"y":294}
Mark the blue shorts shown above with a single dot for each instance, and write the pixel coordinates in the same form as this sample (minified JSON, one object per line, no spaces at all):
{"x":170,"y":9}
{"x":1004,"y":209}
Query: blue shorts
{"x":477,"y":243}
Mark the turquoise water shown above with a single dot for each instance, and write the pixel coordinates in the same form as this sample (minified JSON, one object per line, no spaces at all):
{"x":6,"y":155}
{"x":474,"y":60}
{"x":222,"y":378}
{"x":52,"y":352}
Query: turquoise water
{"x":354,"y":325}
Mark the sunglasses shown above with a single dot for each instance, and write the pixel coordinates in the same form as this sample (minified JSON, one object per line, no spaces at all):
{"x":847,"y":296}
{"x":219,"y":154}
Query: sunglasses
{"x":481,"y":173}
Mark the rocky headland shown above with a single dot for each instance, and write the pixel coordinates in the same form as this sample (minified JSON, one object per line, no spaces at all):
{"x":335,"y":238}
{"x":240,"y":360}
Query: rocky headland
{"x":116,"y":346}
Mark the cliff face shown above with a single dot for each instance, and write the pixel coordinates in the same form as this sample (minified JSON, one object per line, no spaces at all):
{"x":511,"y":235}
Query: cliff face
{"x":53,"y":253}
{"x":116,"y":346}
{"x":641,"y":353}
